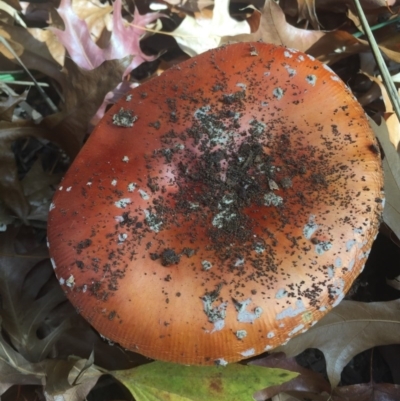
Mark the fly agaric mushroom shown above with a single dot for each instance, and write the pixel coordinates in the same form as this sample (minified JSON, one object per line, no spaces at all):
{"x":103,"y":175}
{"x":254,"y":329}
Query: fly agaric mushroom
{"x":220,"y":209}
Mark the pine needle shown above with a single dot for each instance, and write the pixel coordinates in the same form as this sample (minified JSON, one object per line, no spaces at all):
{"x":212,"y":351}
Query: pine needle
{"x":386,"y":77}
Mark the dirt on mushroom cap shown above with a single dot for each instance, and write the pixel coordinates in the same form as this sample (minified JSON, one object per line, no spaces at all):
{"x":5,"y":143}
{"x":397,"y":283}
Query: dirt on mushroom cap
{"x":243,"y":197}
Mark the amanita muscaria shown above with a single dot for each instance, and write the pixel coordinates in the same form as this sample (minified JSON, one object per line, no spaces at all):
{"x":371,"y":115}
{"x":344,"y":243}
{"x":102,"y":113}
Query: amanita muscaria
{"x":220,"y":209}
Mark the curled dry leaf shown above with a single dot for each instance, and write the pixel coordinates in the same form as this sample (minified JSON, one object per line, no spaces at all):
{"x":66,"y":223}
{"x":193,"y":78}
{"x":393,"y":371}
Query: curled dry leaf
{"x":306,"y":8}
{"x":29,"y":305}
{"x":367,"y":392}
{"x":306,"y":381}
{"x":307,"y":11}
{"x":13,"y":193}
{"x":15,"y":369}
{"x":38,"y":190}
{"x":72,"y":379}
{"x":327,"y":46}
{"x":96,"y":14}
{"x":391,"y":168}
{"x":196,"y":35}
{"x":392,"y":122}
{"x":394,"y":283}
{"x":274,"y":29}
{"x":7,"y":105}
{"x":35,"y":47}
{"x":349,"y":329}
{"x":83,"y":97}
{"x":358,"y":392}
{"x":12,"y":12}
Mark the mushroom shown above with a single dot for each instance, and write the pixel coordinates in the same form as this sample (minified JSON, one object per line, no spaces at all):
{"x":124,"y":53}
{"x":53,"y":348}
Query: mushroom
{"x":220,"y":209}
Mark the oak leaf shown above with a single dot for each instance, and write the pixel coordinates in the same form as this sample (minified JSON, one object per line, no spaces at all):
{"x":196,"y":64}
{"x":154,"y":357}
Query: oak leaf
{"x":350,"y":328}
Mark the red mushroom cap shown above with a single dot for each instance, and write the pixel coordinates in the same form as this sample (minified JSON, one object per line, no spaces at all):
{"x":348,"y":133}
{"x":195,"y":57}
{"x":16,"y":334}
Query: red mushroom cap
{"x":219,"y":209}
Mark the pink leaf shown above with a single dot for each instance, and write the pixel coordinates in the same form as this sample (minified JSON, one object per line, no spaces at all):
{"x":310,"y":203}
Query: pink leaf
{"x":124,"y":39}
{"x":76,"y":38}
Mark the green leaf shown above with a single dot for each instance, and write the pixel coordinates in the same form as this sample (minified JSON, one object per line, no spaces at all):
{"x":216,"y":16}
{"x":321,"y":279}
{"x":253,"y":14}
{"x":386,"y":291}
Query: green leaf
{"x":167,"y":381}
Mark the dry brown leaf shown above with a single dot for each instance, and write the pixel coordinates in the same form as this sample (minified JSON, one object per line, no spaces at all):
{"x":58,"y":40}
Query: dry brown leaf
{"x":38,"y":190}
{"x":14,"y":369}
{"x":96,"y":14}
{"x":307,"y":11}
{"x":33,"y":52}
{"x":11,"y":189}
{"x":10,"y":13}
{"x":336,"y":5}
{"x":83,"y":95}
{"x":391,"y":168}
{"x":349,"y":329}
{"x":327,"y":46}
{"x":392,"y":122}
{"x":13,"y":3}
{"x":31,"y":297}
{"x":71,"y":380}
{"x":8,"y":105}
{"x":307,"y":381}
{"x":367,"y":392}
{"x":198,"y":34}
{"x":50,"y":43}
{"x":274,"y":29}
{"x":311,"y":386}
{"x":394,"y":283}
{"x":357,"y":392}
{"x":11,"y":192}
{"x":285,"y":397}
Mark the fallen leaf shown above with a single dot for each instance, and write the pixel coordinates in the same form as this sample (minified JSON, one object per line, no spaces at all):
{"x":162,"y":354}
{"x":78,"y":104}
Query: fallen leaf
{"x":96,"y":14}
{"x":124,"y":40}
{"x":12,"y":194}
{"x":35,"y":53}
{"x":367,"y":392}
{"x":197,"y":35}
{"x":14,"y":369}
{"x":7,"y":105}
{"x":391,"y":168}
{"x":357,"y":392}
{"x":168,"y":381}
{"x":37,"y":186}
{"x":69,"y":380}
{"x":306,"y":381}
{"x":390,"y":354}
{"x":12,"y":11}
{"x":349,"y":329}
{"x":29,"y":305}
{"x":83,"y":96}
{"x":327,"y":46}
{"x":72,"y":379}
{"x":274,"y":29}
{"x":392,"y":122}
{"x":307,"y":12}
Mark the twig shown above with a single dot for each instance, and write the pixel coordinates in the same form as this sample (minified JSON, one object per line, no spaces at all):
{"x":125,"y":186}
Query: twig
{"x":387,"y":79}
{"x":26,"y":83}
{"x":49,"y":102}
{"x":378,"y":26}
